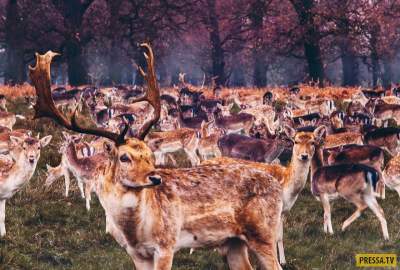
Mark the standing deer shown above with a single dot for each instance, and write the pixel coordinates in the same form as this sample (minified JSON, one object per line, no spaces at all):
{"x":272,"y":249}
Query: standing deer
{"x":153,"y":212}
{"x":292,"y":178}
{"x":352,"y":181}
{"x":25,"y":152}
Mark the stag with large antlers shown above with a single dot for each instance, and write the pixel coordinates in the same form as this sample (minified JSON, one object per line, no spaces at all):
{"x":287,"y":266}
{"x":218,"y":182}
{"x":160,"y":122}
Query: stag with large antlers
{"x":154,"y":212}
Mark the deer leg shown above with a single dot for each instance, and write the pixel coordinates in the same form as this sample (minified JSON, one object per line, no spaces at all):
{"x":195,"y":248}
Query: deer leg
{"x":67,"y":181}
{"x":281,"y":251}
{"x":194,"y":159}
{"x":266,"y":255}
{"x":353,"y":217}
{"x":237,"y":255}
{"x":2,"y":218}
{"x":88,"y":195}
{"x":372,"y":203}
{"x":327,"y":213}
{"x":164,"y":262}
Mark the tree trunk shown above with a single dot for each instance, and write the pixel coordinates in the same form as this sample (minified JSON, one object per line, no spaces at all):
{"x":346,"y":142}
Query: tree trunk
{"x":350,"y":69}
{"x":376,"y":70}
{"x":387,"y":77}
{"x":217,"y":52}
{"x":260,"y":69}
{"x":15,"y":71}
{"x":77,"y":73}
{"x":312,"y":50}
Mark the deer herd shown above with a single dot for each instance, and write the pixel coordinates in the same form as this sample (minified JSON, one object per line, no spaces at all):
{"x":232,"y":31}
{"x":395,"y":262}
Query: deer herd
{"x":250,"y":157}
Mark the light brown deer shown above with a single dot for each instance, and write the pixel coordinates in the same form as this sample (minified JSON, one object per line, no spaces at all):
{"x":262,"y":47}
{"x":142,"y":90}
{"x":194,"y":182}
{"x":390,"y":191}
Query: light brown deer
{"x":84,"y":168}
{"x":208,"y":142}
{"x":25,"y":153}
{"x":354,"y":182}
{"x":391,"y":174}
{"x":153,"y":213}
{"x":166,"y":142}
{"x":293,"y":177}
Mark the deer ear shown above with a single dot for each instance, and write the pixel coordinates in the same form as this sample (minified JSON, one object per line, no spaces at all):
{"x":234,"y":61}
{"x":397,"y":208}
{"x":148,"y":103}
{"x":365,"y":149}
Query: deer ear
{"x":320,"y":133}
{"x":45,"y":140}
{"x":16,"y":140}
{"x":290,"y":132}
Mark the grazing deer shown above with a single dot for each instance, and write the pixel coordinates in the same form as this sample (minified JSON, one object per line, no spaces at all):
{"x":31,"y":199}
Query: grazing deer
{"x":292,"y":178}
{"x":153,"y":212}
{"x":354,"y":182}
{"x":25,"y":152}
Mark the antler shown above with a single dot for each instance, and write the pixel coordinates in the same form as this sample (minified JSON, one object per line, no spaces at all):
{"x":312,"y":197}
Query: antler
{"x":45,"y":107}
{"x":152,"y":94}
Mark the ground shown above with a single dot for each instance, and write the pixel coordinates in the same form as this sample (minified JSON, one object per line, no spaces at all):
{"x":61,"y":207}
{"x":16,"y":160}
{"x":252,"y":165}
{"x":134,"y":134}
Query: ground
{"x":45,"y":230}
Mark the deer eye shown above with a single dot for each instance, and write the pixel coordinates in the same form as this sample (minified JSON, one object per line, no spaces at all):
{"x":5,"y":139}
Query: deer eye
{"x":124,"y":158}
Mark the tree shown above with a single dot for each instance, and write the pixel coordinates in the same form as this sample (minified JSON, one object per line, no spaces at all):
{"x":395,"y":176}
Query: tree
{"x":14,"y":40}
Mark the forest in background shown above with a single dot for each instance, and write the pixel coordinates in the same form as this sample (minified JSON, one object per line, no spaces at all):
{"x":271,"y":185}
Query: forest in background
{"x":231,"y":42}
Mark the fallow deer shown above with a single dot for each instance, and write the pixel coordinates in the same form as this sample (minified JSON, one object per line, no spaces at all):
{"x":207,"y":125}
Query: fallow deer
{"x":293,"y":177}
{"x":354,"y":182}
{"x":386,"y":138}
{"x":208,"y":142}
{"x":164,"y":142}
{"x":391,"y":174}
{"x":153,"y":213}
{"x":25,"y":153}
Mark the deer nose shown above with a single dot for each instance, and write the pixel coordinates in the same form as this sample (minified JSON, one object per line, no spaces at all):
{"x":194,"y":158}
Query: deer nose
{"x":155,"y":179}
{"x":304,"y":156}
{"x":31,"y":159}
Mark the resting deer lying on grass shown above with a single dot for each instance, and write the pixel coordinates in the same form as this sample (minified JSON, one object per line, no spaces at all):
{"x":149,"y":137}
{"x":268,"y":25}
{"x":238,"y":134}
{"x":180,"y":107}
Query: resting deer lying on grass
{"x":354,"y":182}
{"x":292,"y":178}
{"x":25,"y":152}
{"x":154,"y":212}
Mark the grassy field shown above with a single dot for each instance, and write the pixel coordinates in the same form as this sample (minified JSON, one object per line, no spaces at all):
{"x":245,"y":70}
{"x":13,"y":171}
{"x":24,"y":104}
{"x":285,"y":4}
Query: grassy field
{"x":45,"y":230}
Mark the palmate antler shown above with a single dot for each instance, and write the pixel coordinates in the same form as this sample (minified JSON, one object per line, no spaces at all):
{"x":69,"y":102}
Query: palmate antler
{"x":152,"y":94}
{"x":45,"y":107}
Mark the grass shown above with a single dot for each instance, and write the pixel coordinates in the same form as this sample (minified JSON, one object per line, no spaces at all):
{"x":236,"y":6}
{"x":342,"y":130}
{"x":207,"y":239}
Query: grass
{"x":45,"y":230}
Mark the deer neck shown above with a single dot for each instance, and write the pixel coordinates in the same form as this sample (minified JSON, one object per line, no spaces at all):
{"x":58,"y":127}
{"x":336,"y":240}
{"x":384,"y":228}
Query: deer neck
{"x":20,"y":173}
{"x":316,"y":161}
{"x":72,"y":156}
{"x":297,"y":173}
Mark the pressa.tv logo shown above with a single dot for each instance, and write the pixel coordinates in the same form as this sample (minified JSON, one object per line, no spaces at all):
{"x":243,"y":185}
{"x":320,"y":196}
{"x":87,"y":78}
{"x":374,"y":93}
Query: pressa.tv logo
{"x":376,"y":260}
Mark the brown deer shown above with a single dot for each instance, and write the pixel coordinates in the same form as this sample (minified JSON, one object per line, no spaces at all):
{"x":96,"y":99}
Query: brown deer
{"x":293,"y":177}
{"x":154,"y":212}
{"x":208,"y":142}
{"x":25,"y":153}
{"x":391,"y":174}
{"x":354,"y":182}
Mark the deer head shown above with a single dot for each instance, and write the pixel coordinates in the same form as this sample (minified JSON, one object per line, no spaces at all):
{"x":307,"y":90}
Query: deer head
{"x":305,"y":142}
{"x":27,"y":149}
{"x":132,"y":160}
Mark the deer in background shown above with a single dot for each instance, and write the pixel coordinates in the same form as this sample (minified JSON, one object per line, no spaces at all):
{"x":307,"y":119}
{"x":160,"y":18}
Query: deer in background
{"x":25,"y":152}
{"x":153,"y":212}
{"x":293,"y":177}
